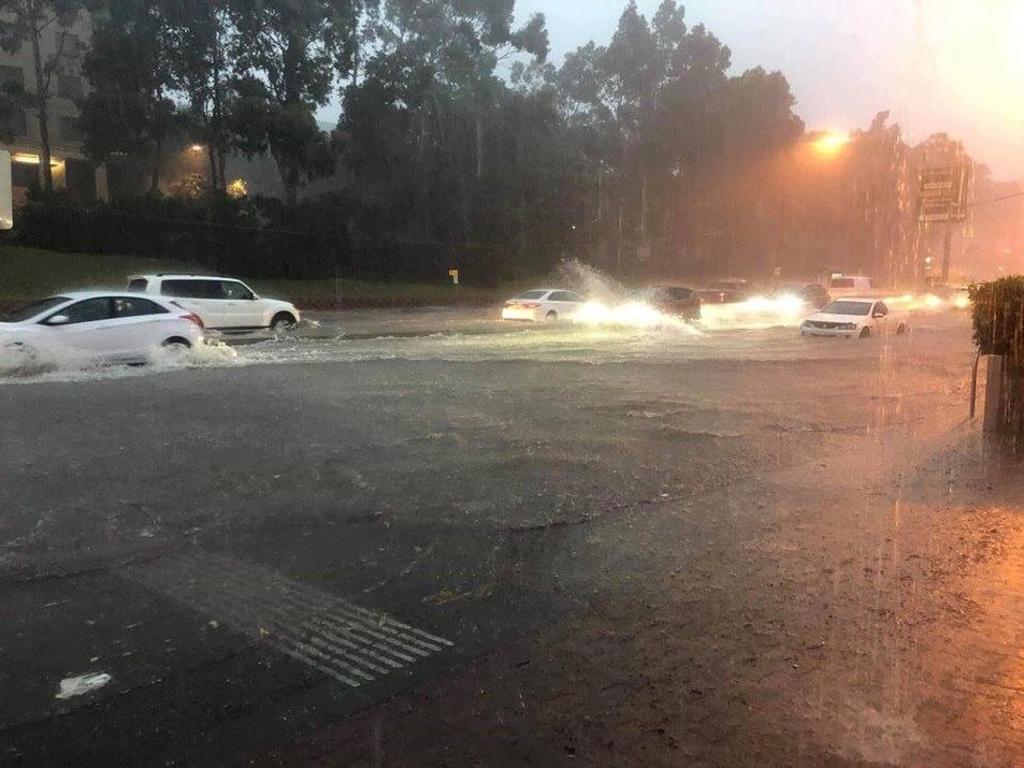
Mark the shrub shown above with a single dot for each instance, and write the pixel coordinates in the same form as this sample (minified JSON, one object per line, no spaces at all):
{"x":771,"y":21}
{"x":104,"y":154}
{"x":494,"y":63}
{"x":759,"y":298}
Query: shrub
{"x":999,"y":330}
{"x":261,"y":238}
{"x":999,"y":317}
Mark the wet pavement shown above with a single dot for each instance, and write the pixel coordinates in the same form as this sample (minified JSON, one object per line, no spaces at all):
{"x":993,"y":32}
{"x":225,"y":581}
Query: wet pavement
{"x":426,"y":538}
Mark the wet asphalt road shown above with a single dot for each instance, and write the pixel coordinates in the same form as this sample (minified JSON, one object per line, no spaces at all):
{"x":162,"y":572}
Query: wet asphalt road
{"x":272,"y":553}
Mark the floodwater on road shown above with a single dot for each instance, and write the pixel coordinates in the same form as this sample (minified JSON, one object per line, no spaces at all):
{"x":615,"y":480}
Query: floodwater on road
{"x":428,"y":538}
{"x":455,"y":335}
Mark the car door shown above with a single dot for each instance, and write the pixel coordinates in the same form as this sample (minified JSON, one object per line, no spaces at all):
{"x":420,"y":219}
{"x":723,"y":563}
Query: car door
{"x":565,"y":303}
{"x":201,"y":297}
{"x":142,"y":324}
{"x":240,"y":306}
{"x":86,"y":327}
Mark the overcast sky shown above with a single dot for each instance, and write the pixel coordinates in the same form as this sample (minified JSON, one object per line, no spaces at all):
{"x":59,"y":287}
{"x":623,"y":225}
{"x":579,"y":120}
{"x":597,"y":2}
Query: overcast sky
{"x":953,"y":65}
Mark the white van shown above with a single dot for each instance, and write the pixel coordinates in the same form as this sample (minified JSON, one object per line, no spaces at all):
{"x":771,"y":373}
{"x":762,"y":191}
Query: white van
{"x":849,"y":285}
{"x":223,"y":303}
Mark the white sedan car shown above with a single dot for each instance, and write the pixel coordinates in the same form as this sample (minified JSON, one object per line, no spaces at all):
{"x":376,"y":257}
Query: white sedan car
{"x":543,"y":305}
{"x":855,"y":318}
{"x":97,"y":326}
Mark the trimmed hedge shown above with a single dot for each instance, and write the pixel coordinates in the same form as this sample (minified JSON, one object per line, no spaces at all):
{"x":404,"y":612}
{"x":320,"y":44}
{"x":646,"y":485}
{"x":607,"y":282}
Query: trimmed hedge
{"x":999,"y":317}
{"x":261,"y":238}
{"x":999,"y":330}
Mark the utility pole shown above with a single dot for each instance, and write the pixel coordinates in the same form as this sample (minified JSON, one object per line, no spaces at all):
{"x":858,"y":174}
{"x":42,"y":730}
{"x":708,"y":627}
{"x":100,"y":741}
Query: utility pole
{"x":947,"y":253}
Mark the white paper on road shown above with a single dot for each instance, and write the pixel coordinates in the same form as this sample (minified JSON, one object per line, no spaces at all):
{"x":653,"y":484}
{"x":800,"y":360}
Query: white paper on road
{"x":83,"y":684}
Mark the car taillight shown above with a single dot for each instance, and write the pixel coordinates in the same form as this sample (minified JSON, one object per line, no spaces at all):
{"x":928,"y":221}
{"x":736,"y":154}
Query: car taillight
{"x":193,"y":318}
{"x":529,"y":305}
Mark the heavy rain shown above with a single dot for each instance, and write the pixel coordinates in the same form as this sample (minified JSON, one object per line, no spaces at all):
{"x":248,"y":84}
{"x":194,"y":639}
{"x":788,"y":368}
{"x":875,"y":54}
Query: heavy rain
{"x":511,"y":383}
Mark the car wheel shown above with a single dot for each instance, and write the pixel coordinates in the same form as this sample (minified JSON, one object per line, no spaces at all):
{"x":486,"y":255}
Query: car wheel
{"x":551,"y":316}
{"x":865,"y":333}
{"x":176,"y":347}
{"x":282,"y":323}
{"x":22,"y":355}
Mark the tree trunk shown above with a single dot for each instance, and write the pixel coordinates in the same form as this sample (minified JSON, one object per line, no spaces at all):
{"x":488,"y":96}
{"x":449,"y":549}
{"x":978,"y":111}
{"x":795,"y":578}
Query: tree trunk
{"x":222,"y":167}
{"x":291,"y":185}
{"x":42,"y":109}
{"x":211,"y":150}
{"x":479,"y":147}
{"x":154,"y":179}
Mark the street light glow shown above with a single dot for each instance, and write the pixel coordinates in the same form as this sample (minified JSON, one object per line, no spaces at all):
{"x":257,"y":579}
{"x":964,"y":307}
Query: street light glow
{"x":832,"y":143}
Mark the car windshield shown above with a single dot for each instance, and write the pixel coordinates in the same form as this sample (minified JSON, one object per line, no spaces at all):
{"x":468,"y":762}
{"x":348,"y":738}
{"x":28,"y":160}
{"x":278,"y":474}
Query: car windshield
{"x":853,"y":308}
{"x":532,"y":295}
{"x":29,"y":311}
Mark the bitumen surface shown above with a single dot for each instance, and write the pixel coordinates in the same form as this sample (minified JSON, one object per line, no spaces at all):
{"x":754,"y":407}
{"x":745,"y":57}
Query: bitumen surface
{"x":425,"y":538}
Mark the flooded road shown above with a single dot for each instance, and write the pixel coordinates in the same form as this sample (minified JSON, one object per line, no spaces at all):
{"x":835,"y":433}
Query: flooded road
{"x":426,"y":538}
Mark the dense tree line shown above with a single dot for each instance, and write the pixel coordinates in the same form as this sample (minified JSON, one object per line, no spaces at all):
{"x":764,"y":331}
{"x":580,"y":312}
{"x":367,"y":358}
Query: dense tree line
{"x":460,"y":141}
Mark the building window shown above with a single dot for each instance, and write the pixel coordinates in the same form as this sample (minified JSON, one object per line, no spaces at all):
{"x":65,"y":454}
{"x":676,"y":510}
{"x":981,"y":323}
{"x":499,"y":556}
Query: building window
{"x":80,"y":180}
{"x":18,"y":122}
{"x":12,"y":76}
{"x":68,"y":130}
{"x":25,"y":175}
{"x":73,"y":46}
{"x":70,"y":86}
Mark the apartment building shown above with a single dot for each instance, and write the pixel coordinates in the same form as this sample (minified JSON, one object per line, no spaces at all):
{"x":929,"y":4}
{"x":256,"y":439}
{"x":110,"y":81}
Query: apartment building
{"x":71,"y":169}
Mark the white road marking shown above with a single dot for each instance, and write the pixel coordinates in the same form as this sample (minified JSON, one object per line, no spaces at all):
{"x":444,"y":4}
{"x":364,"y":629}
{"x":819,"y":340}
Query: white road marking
{"x":342,"y":640}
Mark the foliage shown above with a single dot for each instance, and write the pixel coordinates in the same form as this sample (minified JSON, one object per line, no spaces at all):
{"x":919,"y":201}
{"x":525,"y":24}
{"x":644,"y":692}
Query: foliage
{"x":259,"y":237}
{"x":31,"y":273}
{"x":128,"y":110}
{"x":999,"y":317}
{"x":459,"y":144}
{"x":24,"y":22}
{"x":999,"y":330}
{"x":293,"y":51}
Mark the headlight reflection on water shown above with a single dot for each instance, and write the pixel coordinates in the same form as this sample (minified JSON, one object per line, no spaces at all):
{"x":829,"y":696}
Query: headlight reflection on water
{"x":633,"y":314}
{"x":757,"y":312}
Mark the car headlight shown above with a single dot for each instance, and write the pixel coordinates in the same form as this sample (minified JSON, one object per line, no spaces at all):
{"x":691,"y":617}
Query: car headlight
{"x":849,"y":326}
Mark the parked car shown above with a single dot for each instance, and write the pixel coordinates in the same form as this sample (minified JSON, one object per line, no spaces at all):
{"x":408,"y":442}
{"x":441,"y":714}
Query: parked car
{"x":223,"y":303}
{"x":676,"y":300}
{"x":542,"y":305}
{"x":849,"y":285}
{"x":855,"y":318}
{"x":814,"y":294}
{"x":99,"y":326}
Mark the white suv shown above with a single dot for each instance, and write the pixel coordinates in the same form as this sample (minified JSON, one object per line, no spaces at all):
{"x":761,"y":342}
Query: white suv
{"x":223,"y":303}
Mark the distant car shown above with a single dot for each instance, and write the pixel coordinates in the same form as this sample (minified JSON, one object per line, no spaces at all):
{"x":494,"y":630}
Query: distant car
{"x":542,"y":305}
{"x":849,"y":285}
{"x":727,"y":292}
{"x":676,"y":300}
{"x":99,"y":326}
{"x":855,"y":318}
{"x":814,"y":294}
{"x":223,"y":303}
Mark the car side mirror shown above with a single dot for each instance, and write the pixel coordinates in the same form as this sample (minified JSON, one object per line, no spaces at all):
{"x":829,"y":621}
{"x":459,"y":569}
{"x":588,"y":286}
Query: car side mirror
{"x":879,"y":315}
{"x":254,"y":297}
{"x":59,"y":320}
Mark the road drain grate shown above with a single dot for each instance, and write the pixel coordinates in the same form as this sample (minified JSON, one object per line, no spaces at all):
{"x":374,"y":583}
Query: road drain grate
{"x":350,"y":644}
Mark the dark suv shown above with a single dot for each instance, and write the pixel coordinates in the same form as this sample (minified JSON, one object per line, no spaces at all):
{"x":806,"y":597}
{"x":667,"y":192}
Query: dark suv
{"x":676,"y":300}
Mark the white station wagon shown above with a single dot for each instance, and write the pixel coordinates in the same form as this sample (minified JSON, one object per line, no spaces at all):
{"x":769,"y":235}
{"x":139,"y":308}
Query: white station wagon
{"x":224,"y":304}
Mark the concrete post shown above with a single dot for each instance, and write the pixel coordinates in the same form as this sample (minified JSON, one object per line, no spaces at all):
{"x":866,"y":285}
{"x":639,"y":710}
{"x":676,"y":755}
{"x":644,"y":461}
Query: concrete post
{"x":994,"y":395}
